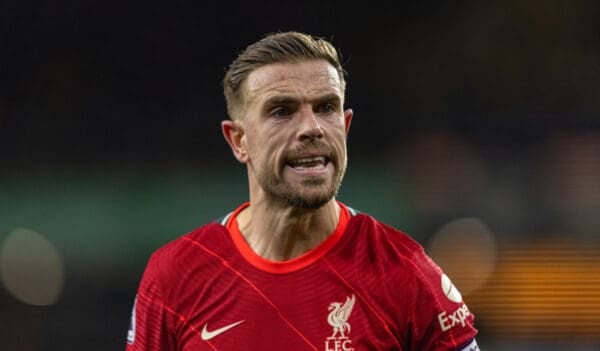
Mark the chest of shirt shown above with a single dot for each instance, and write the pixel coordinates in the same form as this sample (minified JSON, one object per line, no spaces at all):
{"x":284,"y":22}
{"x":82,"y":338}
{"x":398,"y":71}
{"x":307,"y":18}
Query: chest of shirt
{"x":317,"y":313}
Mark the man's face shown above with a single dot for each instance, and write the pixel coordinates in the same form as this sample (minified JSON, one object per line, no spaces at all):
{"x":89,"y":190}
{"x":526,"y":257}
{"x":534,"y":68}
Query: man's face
{"x":295,"y":132}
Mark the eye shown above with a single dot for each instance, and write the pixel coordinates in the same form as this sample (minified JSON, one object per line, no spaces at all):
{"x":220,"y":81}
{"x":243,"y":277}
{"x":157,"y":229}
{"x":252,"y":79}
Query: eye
{"x":280,"y":111}
{"x":327,"y":108}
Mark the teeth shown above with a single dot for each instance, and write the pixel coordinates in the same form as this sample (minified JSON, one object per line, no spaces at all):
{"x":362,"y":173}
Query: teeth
{"x":311,"y":159}
{"x":314,"y":163}
{"x":314,"y":167}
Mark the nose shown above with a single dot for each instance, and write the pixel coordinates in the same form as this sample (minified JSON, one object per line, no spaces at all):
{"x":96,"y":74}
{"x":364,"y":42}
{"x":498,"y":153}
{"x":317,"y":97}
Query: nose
{"x":310,"y":127}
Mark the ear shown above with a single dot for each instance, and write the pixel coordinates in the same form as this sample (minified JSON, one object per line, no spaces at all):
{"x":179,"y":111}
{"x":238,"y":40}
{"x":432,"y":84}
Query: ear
{"x":348,"y":119}
{"x":235,"y":137}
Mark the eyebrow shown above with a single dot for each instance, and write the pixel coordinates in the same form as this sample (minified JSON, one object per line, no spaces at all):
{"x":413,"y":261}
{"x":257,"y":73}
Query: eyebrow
{"x":280,"y":99}
{"x":288,"y":99}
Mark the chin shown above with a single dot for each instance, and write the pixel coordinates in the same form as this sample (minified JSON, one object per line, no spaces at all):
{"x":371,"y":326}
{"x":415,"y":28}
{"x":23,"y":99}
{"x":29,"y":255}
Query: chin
{"x":310,"y":200}
{"x":306,"y":203}
{"x":308,"y":194}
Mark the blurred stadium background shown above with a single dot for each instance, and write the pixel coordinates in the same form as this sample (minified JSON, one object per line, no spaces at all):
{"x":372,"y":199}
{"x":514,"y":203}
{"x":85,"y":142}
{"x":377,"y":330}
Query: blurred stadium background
{"x":476,"y":130}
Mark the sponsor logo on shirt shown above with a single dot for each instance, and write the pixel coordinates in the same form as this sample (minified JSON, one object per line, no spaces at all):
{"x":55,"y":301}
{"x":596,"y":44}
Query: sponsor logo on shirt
{"x":450,"y":290}
{"x":450,"y":320}
{"x":338,"y":320}
{"x":458,"y":316}
{"x":131,"y":331}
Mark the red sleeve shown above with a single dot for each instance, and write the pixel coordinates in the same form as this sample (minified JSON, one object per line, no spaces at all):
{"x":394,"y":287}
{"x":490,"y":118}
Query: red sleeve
{"x":151,"y":320}
{"x":440,"y":319}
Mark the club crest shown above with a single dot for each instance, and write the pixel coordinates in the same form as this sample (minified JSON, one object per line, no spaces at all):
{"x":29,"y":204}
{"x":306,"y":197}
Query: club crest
{"x":339,"y":313}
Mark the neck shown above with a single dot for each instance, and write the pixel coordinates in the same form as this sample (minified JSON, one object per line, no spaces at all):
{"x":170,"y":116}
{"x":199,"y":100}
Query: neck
{"x":281,"y":233}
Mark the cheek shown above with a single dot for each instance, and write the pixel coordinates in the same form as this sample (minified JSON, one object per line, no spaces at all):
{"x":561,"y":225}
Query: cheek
{"x":253,"y":143}
{"x":339,"y":138}
{"x":340,"y":147}
{"x":263,"y":150}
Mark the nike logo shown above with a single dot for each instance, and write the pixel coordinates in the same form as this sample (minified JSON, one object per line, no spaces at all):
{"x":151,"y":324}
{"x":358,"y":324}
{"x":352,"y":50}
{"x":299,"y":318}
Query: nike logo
{"x":207,"y":335}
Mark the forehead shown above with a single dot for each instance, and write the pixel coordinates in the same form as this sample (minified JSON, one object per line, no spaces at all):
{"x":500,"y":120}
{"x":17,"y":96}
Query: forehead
{"x":304,"y":79}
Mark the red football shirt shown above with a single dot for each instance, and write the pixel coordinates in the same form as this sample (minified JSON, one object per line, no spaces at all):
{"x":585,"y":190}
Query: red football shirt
{"x":368,"y":286}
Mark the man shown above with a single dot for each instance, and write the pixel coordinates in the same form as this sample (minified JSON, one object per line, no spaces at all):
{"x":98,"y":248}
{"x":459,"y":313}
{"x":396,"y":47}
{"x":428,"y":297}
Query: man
{"x":293,"y":268}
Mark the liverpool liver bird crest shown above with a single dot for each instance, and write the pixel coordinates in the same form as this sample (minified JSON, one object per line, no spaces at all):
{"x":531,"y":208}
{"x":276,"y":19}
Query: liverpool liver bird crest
{"x":338,"y":317}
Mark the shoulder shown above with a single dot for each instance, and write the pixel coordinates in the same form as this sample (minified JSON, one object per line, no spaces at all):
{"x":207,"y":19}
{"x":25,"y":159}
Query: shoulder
{"x":383,"y":237}
{"x":433,"y":309}
{"x":177,"y":265}
{"x":400,"y":256}
{"x":187,"y":249}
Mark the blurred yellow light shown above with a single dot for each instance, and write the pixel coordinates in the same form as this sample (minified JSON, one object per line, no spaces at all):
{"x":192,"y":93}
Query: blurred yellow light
{"x":466,"y":250}
{"x":548,"y":290}
{"x":32,"y":269}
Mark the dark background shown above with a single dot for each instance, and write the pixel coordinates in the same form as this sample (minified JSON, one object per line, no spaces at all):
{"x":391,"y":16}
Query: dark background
{"x":111,"y":146}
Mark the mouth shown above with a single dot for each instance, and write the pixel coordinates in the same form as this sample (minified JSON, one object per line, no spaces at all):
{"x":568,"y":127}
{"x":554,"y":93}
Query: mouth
{"x":309,"y":163}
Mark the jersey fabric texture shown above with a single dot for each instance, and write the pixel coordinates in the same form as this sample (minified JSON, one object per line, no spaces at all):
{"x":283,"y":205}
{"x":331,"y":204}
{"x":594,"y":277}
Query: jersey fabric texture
{"x":367,"y":286}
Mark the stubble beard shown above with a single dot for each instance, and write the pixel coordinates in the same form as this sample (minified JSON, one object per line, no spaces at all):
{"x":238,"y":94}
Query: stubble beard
{"x":310,"y":194}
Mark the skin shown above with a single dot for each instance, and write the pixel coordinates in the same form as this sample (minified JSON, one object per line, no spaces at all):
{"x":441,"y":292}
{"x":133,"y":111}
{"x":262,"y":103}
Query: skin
{"x":292,"y":111}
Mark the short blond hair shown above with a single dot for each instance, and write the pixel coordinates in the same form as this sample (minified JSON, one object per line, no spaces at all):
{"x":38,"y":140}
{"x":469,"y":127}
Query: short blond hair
{"x":287,"y":47}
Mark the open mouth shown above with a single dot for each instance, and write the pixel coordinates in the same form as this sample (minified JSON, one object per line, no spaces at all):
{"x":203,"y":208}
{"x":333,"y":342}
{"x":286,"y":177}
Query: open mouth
{"x":313,"y":163}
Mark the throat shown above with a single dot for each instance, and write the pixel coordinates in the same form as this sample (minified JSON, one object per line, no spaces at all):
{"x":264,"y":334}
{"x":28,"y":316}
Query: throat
{"x":286,"y":236}
{"x":285,"y":244}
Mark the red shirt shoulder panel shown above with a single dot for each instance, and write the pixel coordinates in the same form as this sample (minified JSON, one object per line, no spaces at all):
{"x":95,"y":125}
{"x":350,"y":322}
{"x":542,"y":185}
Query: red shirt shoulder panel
{"x":420,"y":301}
